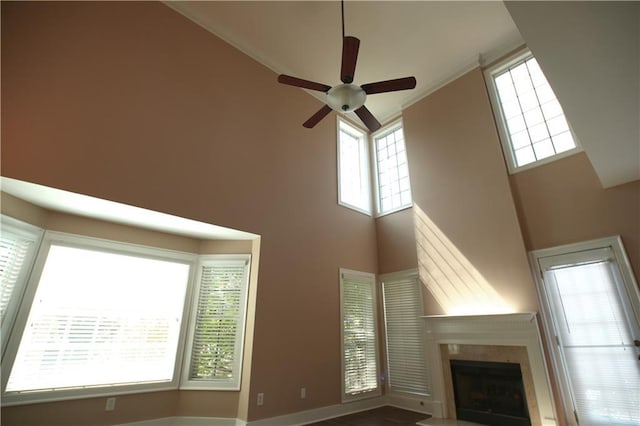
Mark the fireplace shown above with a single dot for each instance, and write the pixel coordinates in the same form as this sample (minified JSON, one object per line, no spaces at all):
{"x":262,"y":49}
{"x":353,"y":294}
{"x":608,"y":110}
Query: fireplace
{"x":490,"y":393}
{"x":490,"y":340}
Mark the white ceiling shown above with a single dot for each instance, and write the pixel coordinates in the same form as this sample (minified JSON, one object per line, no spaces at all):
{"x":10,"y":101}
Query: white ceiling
{"x":435,"y":41}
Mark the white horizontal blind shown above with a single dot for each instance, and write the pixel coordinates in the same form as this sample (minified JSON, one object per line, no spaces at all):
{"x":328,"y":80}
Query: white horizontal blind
{"x":360,"y":356}
{"x":18,"y":245}
{"x":596,"y":340}
{"x":216,"y":352}
{"x":406,"y":356}
{"x":101,"y":318}
{"x":394,"y":189}
{"x":16,"y":248}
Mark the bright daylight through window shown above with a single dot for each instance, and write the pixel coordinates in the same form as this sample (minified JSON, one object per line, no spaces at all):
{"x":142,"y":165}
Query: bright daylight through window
{"x":392,"y":170}
{"x":105,"y":316}
{"x":534,"y":127}
{"x":353,"y":168}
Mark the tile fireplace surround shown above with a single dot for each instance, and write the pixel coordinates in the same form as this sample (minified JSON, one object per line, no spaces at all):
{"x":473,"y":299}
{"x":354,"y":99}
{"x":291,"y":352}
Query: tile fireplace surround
{"x":500,"y":338}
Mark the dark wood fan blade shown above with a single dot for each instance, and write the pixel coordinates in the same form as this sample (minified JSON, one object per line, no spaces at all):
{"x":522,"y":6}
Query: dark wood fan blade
{"x":367,"y":118}
{"x":315,"y":118}
{"x":350,"y":46}
{"x":389,"y":85}
{"x":305,"y":84}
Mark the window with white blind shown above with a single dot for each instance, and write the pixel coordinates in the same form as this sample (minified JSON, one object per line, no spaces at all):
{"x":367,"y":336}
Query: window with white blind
{"x":393,"y":190}
{"x":532,"y":125}
{"x":354,"y":182}
{"x":100,"y":315}
{"x":592,"y":308}
{"x":19,"y":243}
{"x":360,"y":365}
{"x":406,"y":358}
{"x":217,"y":323}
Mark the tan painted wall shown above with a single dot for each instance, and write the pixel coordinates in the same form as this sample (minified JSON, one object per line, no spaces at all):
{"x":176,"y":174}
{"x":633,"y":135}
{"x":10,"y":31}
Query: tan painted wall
{"x":396,"y":242}
{"x":459,"y":182}
{"x":133,"y":103}
{"x":563,"y":202}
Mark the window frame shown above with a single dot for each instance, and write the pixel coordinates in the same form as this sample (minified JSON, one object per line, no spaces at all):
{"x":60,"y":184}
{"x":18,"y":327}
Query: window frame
{"x":370,"y":280}
{"x":34,"y":234}
{"x":379,"y":134}
{"x":86,"y":242}
{"x":490,"y":73}
{"x":364,"y":165}
{"x":217,"y":384}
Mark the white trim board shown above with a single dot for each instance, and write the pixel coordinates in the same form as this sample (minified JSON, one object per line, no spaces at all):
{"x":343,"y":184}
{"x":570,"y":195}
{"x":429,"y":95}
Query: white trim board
{"x":186,"y":421}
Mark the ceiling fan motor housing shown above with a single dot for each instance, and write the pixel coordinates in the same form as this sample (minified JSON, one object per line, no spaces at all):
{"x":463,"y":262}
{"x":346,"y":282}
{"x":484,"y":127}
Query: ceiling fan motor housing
{"x":346,"y":97}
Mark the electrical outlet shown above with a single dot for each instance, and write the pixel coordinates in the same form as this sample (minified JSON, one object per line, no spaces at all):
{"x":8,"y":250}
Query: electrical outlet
{"x":110,"y":405}
{"x":303,"y":393}
{"x":260,"y":398}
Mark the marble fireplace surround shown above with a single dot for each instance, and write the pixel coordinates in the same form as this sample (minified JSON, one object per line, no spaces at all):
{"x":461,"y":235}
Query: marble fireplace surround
{"x":499,"y":338}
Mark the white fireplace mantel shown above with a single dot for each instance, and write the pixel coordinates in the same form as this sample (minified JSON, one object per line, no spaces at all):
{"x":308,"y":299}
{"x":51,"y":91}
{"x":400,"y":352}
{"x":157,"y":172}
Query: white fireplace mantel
{"x":520,"y":329}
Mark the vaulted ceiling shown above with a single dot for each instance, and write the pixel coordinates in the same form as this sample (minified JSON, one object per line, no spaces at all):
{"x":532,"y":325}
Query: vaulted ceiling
{"x":588,"y":50}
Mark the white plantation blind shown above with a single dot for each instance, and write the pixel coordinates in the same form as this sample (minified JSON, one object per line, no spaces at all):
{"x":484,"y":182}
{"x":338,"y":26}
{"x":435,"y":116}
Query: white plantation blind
{"x":218,"y":332}
{"x":100,"y":318}
{"x":18,"y":245}
{"x":596,"y":332}
{"x":405,"y":335}
{"x":359,"y":335}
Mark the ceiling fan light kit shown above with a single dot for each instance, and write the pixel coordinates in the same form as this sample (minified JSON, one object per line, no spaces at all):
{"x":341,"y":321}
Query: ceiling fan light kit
{"x":348,"y":97}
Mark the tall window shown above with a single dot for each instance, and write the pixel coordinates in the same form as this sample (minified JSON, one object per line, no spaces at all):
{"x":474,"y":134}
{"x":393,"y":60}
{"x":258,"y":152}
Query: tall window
{"x":359,"y":335}
{"x":406,"y":358}
{"x":393,"y":190}
{"x":592,"y":308}
{"x":354,"y":189}
{"x":532,"y":125}
{"x":218,"y":323}
{"x":18,"y":245}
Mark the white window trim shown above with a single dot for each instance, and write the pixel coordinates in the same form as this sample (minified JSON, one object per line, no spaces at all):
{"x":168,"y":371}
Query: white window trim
{"x":367,"y":165}
{"x":217,"y":384}
{"x":407,"y":275}
{"x":378,"y":390}
{"x":391,"y":127}
{"x":21,"y":319}
{"x":628,"y":283}
{"x":35,"y":234}
{"x":501,"y":123}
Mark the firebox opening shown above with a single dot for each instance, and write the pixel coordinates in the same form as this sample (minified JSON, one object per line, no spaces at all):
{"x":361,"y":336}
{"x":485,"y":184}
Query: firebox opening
{"x":491,"y":393}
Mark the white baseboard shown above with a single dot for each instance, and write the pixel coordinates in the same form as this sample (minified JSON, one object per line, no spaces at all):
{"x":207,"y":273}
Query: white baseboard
{"x":186,"y":421}
{"x":417,"y":403}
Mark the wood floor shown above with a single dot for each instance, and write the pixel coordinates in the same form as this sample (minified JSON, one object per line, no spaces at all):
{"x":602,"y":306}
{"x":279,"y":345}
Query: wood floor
{"x":383,"y":416}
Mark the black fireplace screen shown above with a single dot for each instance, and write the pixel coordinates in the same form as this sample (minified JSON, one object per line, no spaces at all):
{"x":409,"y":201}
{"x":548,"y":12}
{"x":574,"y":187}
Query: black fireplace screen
{"x":491,"y":393}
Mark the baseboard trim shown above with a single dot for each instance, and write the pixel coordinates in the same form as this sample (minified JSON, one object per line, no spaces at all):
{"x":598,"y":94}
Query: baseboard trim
{"x":417,"y":403}
{"x":186,"y":421}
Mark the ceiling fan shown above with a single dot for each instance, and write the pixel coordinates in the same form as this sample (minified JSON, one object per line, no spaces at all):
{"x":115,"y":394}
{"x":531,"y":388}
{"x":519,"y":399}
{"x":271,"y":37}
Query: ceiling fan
{"x":348,"y":97}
